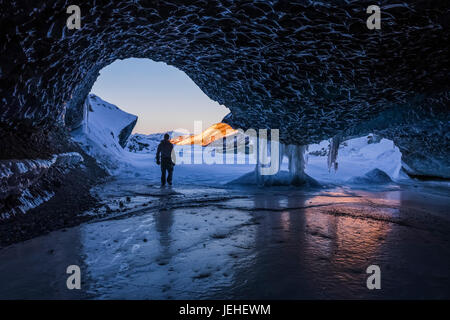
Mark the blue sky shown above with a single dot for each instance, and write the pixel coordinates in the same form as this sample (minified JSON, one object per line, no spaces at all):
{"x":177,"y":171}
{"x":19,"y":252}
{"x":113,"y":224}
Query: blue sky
{"x":163,"y":97}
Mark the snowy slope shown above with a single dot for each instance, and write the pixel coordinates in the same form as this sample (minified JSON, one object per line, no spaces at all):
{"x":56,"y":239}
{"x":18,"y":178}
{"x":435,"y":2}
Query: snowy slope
{"x":142,"y":143}
{"x":147,"y":143}
{"x":104,"y":123}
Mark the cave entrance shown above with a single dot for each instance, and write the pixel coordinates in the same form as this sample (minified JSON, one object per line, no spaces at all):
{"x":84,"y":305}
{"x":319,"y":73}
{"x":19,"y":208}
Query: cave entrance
{"x":133,"y":103}
{"x":163,"y":97}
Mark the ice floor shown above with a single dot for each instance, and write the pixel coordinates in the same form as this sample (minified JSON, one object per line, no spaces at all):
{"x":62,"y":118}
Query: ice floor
{"x":203,"y":240}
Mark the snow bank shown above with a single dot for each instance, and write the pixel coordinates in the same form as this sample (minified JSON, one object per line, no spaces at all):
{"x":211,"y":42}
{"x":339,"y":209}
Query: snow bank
{"x":375,"y":176}
{"x":105,"y":130}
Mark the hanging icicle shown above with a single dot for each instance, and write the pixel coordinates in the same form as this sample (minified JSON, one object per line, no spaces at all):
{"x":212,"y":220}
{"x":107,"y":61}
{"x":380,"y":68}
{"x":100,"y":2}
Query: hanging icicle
{"x":333,"y":152}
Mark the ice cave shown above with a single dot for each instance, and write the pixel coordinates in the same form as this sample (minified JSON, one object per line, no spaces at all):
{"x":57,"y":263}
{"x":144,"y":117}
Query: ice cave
{"x":362,"y":151}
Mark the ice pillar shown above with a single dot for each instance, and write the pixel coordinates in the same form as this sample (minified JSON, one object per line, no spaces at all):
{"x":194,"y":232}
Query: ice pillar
{"x":297,"y":162}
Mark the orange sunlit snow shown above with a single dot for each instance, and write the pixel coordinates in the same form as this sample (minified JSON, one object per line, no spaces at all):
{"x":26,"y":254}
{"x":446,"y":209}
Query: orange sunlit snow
{"x":215,"y":132}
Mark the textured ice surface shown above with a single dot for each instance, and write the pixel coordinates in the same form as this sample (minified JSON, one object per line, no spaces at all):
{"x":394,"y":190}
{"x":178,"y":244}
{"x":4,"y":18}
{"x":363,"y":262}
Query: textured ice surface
{"x":198,"y":242}
{"x":19,"y":180}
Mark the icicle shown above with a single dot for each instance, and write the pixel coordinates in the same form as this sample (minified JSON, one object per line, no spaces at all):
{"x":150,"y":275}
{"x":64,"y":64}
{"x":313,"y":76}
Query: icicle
{"x":333,"y":152}
{"x":281,"y":152}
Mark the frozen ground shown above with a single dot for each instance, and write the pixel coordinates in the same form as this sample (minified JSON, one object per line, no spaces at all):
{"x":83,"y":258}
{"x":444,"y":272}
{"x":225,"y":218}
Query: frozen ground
{"x":201,"y":239}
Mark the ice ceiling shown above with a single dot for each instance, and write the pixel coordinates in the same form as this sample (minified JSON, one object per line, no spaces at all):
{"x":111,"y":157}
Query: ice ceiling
{"x":310,"y":68}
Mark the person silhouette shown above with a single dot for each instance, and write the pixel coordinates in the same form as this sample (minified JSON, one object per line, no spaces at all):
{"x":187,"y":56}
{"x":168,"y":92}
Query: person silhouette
{"x":164,"y":158}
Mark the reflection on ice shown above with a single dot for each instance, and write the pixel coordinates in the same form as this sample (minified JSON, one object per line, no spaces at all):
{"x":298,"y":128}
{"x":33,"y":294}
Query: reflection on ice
{"x":199,"y":242}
